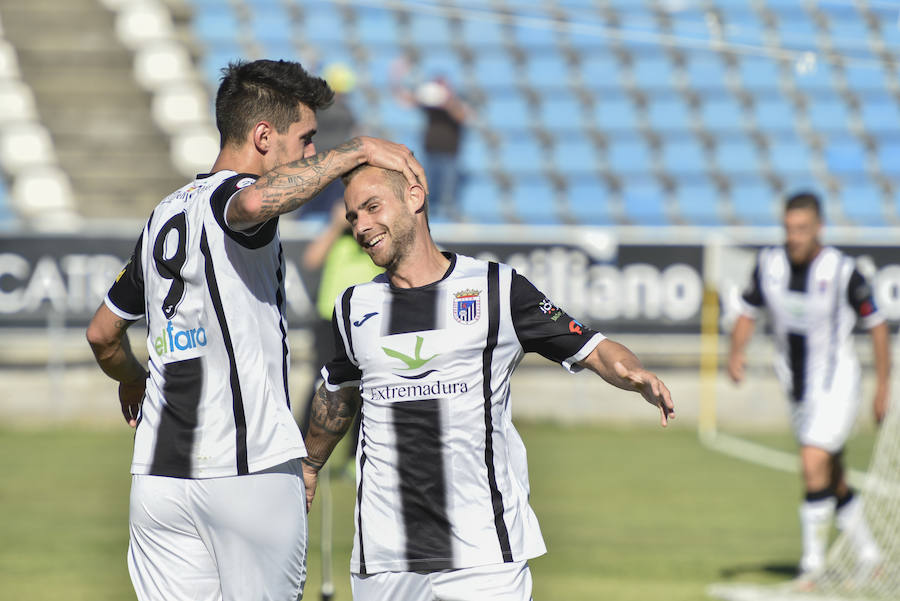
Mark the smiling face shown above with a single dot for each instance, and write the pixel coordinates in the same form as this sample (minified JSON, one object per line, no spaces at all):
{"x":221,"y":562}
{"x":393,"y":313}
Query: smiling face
{"x":381,"y":212}
{"x":294,"y":144}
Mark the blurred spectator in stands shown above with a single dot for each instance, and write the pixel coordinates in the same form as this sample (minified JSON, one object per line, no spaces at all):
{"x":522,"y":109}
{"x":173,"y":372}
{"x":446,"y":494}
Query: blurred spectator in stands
{"x":341,"y":262}
{"x":445,"y":117}
{"x":337,"y":124}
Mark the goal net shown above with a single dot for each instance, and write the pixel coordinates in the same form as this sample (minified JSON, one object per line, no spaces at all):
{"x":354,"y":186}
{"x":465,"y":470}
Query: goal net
{"x":845,"y":577}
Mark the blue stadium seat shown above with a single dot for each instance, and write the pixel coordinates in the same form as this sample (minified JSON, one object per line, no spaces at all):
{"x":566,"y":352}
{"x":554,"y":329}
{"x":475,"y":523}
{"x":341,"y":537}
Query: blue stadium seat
{"x":615,"y":113}
{"x":561,"y":112}
{"x":481,"y":33}
{"x":546,"y":69}
{"x":521,"y":154}
{"x":273,"y":26}
{"x":753,"y":203}
{"x":644,"y":203}
{"x":430,"y":30}
{"x":507,"y":111}
{"x":828,"y":113}
{"x":475,"y":155}
{"x":774,"y":115}
{"x":865,"y":78}
{"x":534,"y":201}
{"x":737,"y":155}
{"x":706,"y":72}
{"x":323,"y":24}
{"x":848,"y":30}
{"x":845,"y":157}
{"x":889,"y":157}
{"x":759,"y":73}
{"x":863,"y":203}
{"x":721,"y":113}
{"x":575,"y":154}
{"x":481,"y":200}
{"x":601,"y":71}
{"x":584,"y":39}
{"x":668,"y":113}
{"x":588,"y":201}
{"x":742,"y":25}
{"x":629,"y":155}
{"x":652,"y":71}
{"x":699,"y":203}
{"x":881,"y":115}
{"x":683,"y":156}
{"x":690,"y":23}
{"x":218,"y":27}
{"x":397,"y":116}
{"x":815,"y":80}
{"x":789,"y":156}
{"x":495,"y":70}
{"x":531,"y":35}
{"x":377,"y":26}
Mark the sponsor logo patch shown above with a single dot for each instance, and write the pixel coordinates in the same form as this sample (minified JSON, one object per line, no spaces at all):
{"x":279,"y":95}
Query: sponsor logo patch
{"x":547,"y":307}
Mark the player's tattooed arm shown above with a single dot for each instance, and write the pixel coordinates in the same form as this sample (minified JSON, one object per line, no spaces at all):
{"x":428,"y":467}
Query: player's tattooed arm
{"x":288,"y":187}
{"x":331,"y":415}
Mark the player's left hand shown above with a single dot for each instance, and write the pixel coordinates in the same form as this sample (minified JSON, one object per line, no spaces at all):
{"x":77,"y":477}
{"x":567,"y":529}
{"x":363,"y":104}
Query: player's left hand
{"x":651,"y":388}
{"x":310,"y":480}
{"x":880,"y":405}
{"x":131,"y":396}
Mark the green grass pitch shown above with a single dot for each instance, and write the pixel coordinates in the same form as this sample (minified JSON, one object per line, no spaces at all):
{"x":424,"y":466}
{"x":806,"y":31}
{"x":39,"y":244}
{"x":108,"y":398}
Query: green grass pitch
{"x":631,"y":514}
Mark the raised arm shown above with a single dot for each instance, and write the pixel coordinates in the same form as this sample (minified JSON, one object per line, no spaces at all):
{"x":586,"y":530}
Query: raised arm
{"x":290,"y":186}
{"x":620,"y":367}
{"x":107,"y":335}
{"x":330,"y":417}
{"x":881,"y":348}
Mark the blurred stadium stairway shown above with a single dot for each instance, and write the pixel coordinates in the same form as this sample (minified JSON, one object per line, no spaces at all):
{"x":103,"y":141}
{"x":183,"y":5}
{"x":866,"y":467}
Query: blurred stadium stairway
{"x":97,"y":115}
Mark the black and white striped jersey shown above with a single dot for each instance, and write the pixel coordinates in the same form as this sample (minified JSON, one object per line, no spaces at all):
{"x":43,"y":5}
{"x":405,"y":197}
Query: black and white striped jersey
{"x":813,"y":310}
{"x":217,"y":396}
{"x":441,"y":471}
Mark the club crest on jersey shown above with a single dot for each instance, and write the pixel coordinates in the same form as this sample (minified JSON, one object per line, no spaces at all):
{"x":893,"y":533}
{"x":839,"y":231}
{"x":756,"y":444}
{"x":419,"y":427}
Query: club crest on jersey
{"x":467,"y":306}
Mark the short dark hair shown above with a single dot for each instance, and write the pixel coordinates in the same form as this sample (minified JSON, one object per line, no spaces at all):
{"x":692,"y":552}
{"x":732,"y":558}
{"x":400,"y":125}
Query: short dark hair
{"x":395,"y":179}
{"x":265,"y":90}
{"x":804,"y":200}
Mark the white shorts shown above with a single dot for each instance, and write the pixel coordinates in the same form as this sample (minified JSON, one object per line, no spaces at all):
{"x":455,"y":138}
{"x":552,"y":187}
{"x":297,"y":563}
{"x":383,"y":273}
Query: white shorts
{"x":496,"y":582}
{"x":825,"y":420}
{"x":219,"y":539}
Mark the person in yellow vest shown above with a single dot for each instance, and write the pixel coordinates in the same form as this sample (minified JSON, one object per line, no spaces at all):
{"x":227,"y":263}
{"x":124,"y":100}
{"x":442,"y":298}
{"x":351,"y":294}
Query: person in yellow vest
{"x":343,"y":263}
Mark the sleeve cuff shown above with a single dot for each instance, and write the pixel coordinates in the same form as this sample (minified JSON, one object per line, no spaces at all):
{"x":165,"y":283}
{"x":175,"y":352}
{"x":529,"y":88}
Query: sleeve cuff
{"x":748,"y":310}
{"x":121,"y":313}
{"x":335,"y":387}
{"x":875,"y":319}
{"x":571,"y":364}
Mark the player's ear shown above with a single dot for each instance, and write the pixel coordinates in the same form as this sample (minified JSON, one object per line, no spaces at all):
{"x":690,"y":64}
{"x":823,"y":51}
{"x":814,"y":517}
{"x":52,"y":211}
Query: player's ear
{"x":261,"y":133}
{"x":415,"y":198}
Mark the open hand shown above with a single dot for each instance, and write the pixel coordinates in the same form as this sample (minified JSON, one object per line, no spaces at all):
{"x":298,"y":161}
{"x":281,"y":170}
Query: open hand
{"x":651,"y":388}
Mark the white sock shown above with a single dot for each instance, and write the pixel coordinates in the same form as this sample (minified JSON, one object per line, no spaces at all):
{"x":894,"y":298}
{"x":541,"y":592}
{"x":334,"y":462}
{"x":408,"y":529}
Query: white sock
{"x":851,"y":520}
{"x":815,"y":522}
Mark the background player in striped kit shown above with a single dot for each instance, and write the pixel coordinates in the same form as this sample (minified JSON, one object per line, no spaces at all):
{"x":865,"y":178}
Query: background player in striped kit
{"x":217,"y":494}
{"x":814,"y":295}
{"x":426,"y":349}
